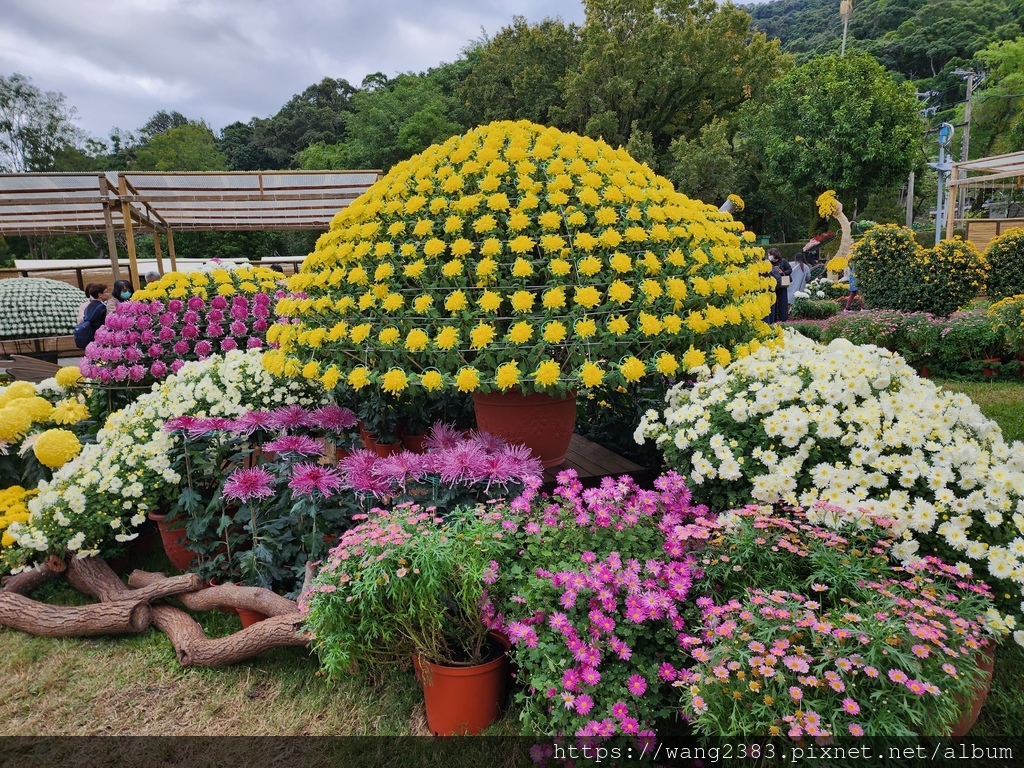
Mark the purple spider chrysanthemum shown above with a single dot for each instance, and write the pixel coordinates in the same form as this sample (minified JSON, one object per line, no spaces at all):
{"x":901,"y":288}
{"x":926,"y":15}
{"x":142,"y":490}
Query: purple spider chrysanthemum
{"x":246,"y":484}
{"x":307,"y":478}
{"x":442,"y":436}
{"x":292,"y":416}
{"x":302,"y":444}
{"x":251,"y":421}
{"x":335,"y":419}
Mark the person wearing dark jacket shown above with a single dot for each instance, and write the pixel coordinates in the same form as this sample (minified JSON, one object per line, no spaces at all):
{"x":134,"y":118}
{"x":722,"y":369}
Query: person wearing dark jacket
{"x":782,"y":272}
{"x":94,"y":311}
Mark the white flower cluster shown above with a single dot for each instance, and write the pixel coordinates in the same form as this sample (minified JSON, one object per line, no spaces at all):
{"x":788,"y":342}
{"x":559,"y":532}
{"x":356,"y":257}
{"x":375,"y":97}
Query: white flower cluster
{"x":855,"y":427}
{"x":109,"y":488}
{"x":819,"y":289}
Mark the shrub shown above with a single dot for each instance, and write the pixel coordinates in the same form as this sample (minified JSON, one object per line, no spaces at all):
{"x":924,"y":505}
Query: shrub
{"x":1005,"y":256}
{"x":812,"y":329}
{"x":884,"y":261}
{"x":881,"y":328}
{"x":953,"y":274}
{"x":967,"y":339}
{"x":36,"y":306}
{"x":854,"y":426}
{"x":1007,"y":316}
{"x":810,"y":309}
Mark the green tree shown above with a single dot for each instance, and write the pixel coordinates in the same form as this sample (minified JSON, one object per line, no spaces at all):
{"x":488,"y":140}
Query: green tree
{"x":321,"y":157}
{"x":518,"y":74}
{"x":319,"y":113}
{"x":996,"y":125}
{"x":394,"y":119}
{"x":705,"y":168}
{"x":189,"y":147}
{"x":35,"y":127}
{"x":669,"y":66}
{"x":239,"y":145}
{"x":837,"y":123}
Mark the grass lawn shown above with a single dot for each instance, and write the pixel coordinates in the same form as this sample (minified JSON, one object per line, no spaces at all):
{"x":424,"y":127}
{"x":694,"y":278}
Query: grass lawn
{"x":134,"y":685}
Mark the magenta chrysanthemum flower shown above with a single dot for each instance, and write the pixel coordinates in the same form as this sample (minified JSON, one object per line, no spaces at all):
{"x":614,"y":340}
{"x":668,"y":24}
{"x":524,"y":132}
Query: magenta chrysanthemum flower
{"x":636,"y":685}
{"x":335,"y":419}
{"x":292,"y":416}
{"x":442,"y":436}
{"x":307,"y":478}
{"x":251,"y":421}
{"x":301,"y":444}
{"x":203,"y":349}
{"x":253,"y":343}
{"x":181,"y":423}
{"x":247,"y":484}
{"x":357,"y":470}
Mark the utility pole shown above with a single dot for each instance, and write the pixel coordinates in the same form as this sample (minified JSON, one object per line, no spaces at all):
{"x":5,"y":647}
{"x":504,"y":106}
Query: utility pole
{"x":845,"y":11}
{"x":969,"y":76}
{"x":943,"y":167}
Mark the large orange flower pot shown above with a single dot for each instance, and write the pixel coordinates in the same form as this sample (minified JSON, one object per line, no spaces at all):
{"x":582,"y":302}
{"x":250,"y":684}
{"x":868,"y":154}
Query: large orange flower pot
{"x":986,"y":659}
{"x":462,"y":701}
{"x":541,"y":422}
{"x":173,"y":538}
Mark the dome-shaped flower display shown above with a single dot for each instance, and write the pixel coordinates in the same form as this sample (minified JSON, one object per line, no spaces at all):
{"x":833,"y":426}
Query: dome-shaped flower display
{"x":182,"y":317}
{"x":35,"y":306}
{"x":520,"y":257}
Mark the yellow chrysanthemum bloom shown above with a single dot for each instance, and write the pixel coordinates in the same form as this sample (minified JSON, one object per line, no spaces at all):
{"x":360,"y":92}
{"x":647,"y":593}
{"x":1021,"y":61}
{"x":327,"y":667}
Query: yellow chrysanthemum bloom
{"x":395,"y":381}
{"x":507,"y":375}
{"x":591,"y":375}
{"x":489,"y":301}
{"x":520,"y":333}
{"x":837,"y":264}
{"x":447,"y":338}
{"x":694,"y":358}
{"x":467,"y":379}
{"x":432,"y":381}
{"x":14,"y":422}
{"x":521,"y":267}
{"x":56,"y":447}
{"x":547,"y":373}
{"x":522,"y":301}
{"x":585,"y":328}
{"x":68,"y":376}
{"x":827,"y":203}
{"x":587,"y":296}
{"x":456,"y":302}
{"x":481,"y":336}
{"x":68,"y":412}
{"x":632,"y":369}
{"x":666,"y":364}
{"x":554,"y":332}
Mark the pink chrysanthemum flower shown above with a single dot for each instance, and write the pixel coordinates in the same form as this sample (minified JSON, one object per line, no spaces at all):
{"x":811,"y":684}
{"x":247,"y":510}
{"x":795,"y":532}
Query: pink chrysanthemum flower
{"x":334,"y":418}
{"x":308,"y":478}
{"x":292,"y":416}
{"x":301,"y":444}
{"x":636,"y":685}
{"x":247,"y":484}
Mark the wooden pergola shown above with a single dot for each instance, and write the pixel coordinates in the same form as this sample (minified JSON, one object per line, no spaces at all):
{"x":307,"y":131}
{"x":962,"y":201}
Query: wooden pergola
{"x":996,"y":172}
{"x":165,"y":203}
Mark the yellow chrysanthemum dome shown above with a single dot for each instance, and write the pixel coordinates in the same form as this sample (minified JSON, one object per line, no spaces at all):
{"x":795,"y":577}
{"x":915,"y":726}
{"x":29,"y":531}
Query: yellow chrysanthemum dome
{"x":56,"y":447}
{"x":68,"y":376}
{"x":445,"y":263}
{"x":14,"y":422}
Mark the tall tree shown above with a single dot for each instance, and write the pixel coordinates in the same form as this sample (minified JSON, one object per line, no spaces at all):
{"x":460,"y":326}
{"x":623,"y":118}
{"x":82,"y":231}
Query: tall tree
{"x":837,"y":123}
{"x":240,"y":146}
{"x":319,"y":113}
{"x":669,"y":66}
{"x":35,"y":127}
{"x":189,"y":147}
{"x":518,"y":74}
{"x":996,"y":124}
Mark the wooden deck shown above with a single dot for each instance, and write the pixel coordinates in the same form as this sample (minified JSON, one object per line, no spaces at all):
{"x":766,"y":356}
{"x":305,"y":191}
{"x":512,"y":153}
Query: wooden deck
{"x":593,"y":462}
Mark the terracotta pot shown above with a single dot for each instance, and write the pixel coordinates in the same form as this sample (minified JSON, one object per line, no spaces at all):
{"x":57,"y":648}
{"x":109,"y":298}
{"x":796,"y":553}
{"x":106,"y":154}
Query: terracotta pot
{"x":462,"y":701}
{"x":925,"y":372}
{"x":990,"y":365}
{"x":986,"y":659}
{"x":249,"y":617}
{"x":541,"y":422}
{"x":173,"y":538}
{"x":381,"y":449}
{"x":413,"y":443}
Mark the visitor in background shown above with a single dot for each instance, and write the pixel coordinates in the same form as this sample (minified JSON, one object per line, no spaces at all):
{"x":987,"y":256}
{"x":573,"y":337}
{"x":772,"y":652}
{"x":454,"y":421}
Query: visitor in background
{"x":91,"y":314}
{"x":853,"y":290}
{"x":782,"y":273}
{"x":277,"y":268}
{"x":122,"y":292}
{"x":151,"y":277}
{"x":800,"y":274}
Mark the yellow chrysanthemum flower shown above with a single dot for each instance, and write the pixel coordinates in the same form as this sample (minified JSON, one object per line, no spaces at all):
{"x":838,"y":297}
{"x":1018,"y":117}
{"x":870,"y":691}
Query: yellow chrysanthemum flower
{"x":520,"y":333}
{"x":522,"y":301}
{"x":68,"y":376}
{"x":547,"y":373}
{"x":56,"y":447}
{"x":632,"y":369}
{"x":554,"y":332}
{"x":467,"y":379}
{"x":395,"y":381}
{"x":432,"y":380}
{"x":591,"y":375}
{"x":507,"y":375}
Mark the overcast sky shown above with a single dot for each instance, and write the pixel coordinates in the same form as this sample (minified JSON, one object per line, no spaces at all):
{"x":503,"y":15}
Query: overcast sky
{"x":120,"y":61}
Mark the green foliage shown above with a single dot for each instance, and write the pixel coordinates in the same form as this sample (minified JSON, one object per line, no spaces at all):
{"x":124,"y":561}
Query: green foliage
{"x":35,"y":126}
{"x":405,"y":582}
{"x":705,"y":168}
{"x":832,"y":102}
{"x":1008,"y":318}
{"x":321,"y":157}
{"x":239,"y":144}
{"x":189,"y":147}
{"x":813,"y":309}
{"x":670,"y":66}
{"x":995,"y":123}
{"x":881,"y":261}
{"x":318,"y":114}
{"x":394,"y":119}
{"x":1005,"y":256}
{"x":517,"y":75}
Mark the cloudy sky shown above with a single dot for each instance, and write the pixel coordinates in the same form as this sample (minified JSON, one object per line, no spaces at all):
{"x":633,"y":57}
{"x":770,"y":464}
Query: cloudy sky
{"x":119,"y":62}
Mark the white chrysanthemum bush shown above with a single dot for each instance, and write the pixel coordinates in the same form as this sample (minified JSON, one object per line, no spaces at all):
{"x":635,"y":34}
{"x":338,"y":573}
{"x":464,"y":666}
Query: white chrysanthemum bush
{"x":103,"y":495}
{"x":518,"y":257}
{"x":856,"y":427}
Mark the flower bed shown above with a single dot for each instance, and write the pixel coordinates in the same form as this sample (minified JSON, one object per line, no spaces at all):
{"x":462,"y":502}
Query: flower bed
{"x":100,"y":497}
{"x":854,"y":426}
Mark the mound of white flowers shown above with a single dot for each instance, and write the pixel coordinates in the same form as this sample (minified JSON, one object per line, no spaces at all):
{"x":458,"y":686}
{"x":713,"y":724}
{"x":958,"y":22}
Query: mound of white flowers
{"x":856,"y":427}
{"x":104,"y":494}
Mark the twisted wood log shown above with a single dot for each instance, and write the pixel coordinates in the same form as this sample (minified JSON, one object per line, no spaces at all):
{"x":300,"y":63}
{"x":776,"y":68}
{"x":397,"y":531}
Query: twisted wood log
{"x":35,"y":618}
{"x":194,"y":649}
{"x":95,"y":578}
{"x":27,"y":581}
{"x":221,"y":596}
